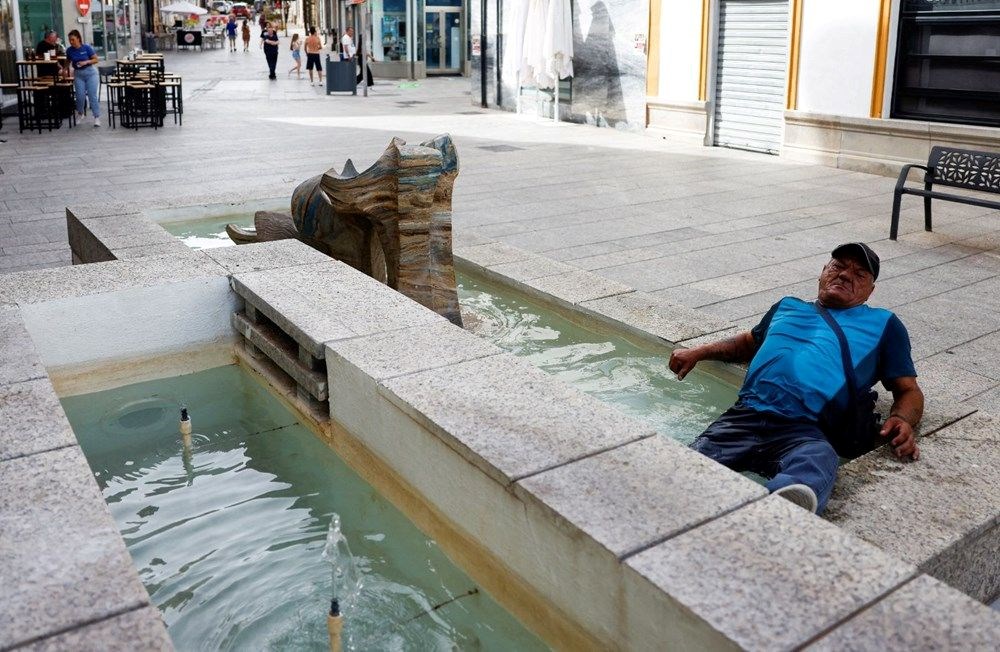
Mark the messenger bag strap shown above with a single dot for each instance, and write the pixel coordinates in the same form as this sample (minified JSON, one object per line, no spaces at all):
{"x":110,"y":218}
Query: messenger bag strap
{"x":845,"y":354}
{"x":845,"y":351}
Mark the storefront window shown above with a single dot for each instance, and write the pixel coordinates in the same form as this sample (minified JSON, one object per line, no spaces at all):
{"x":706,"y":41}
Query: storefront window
{"x":37,"y":16}
{"x":950,"y":5}
{"x":8,"y":46}
{"x":389,"y":30}
{"x":948,"y":62}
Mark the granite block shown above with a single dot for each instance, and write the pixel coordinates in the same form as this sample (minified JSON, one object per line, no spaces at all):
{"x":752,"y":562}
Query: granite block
{"x":636,"y":495}
{"x":650,"y":314}
{"x":18,"y":358}
{"x":509,"y":418}
{"x":409,"y":350}
{"x":532,"y":268}
{"x":328,"y":301}
{"x":141,"y":629}
{"x":37,"y":286}
{"x":265,"y":255}
{"x":921,"y":615}
{"x":32,"y":419}
{"x":104,"y":209}
{"x":930,"y":511}
{"x":579,"y":286}
{"x":119,"y":226}
{"x":942,"y":381}
{"x":770,"y":575}
{"x":492,"y":253}
{"x":176,"y":248}
{"x":63,"y":547}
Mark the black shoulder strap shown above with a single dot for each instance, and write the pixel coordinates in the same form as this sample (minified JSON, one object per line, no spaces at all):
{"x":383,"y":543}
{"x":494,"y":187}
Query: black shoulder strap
{"x":845,"y":352}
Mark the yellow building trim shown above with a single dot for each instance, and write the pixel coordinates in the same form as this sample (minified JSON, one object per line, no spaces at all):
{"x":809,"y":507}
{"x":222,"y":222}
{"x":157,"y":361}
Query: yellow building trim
{"x":653,"y":50}
{"x":706,"y":13}
{"x":792,"y":92}
{"x":881,"y":54}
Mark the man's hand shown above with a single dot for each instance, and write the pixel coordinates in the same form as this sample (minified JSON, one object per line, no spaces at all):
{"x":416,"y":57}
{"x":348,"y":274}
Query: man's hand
{"x":682,"y":361}
{"x":907,"y":408}
{"x":904,"y":444}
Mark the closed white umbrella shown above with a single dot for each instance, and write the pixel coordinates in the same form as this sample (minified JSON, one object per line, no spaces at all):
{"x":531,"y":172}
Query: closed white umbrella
{"x":515,"y":14}
{"x":533,"y":65}
{"x":182,"y":7}
{"x":557,"y":46}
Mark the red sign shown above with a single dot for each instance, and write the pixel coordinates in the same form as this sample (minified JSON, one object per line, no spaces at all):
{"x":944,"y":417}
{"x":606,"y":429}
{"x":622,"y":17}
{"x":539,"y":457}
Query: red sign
{"x":83,"y":6}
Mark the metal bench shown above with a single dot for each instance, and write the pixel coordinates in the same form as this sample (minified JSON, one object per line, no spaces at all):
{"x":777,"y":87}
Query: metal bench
{"x":955,"y":168}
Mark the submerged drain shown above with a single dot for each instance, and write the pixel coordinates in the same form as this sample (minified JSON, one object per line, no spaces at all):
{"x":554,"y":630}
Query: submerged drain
{"x":141,"y":416}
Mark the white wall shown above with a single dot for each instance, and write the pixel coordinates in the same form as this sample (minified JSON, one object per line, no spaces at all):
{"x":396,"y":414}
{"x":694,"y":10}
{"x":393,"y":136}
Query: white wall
{"x":104,"y":329}
{"x":837,"y":56}
{"x":680,"y":49}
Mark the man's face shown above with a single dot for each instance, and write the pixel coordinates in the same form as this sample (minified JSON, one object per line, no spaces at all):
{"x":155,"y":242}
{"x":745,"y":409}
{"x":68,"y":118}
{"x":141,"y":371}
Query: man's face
{"x":51,"y":39}
{"x":350,"y":32}
{"x":845,"y":282}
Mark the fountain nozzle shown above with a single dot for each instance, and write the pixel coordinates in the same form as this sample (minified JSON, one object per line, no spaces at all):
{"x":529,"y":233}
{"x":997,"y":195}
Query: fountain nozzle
{"x":334,"y":625}
{"x":185,"y":428}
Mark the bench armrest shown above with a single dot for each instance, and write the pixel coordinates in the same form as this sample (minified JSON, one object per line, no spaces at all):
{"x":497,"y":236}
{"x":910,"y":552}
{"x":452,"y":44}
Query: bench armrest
{"x":928,"y":172}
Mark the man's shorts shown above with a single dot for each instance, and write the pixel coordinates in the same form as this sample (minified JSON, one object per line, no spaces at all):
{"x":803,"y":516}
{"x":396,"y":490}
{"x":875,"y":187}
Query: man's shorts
{"x":312,"y":60}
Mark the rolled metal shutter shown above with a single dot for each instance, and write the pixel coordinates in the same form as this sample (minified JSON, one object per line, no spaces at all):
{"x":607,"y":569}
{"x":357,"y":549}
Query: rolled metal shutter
{"x":750,"y":78}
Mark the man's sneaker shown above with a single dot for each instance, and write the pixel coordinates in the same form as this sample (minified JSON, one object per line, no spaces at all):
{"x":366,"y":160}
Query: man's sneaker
{"x":97,"y":122}
{"x":799,"y":494}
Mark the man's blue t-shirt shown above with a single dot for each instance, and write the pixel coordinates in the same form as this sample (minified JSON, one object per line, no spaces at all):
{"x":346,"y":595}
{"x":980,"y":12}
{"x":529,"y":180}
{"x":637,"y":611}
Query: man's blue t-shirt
{"x":797,"y":371}
{"x":231,"y":29}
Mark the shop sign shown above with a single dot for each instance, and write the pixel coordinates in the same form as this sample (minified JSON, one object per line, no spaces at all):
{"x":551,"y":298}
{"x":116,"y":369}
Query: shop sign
{"x":477,"y":47}
{"x":83,"y":6}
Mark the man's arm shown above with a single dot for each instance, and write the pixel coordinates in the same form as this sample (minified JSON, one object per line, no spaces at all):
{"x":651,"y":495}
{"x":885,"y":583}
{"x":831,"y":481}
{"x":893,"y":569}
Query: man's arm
{"x":740,"y":348}
{"x":907,"y":409}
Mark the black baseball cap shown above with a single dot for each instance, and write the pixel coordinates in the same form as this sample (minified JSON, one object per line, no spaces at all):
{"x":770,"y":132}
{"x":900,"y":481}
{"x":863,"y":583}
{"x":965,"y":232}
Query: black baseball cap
{"x":862,"y":252}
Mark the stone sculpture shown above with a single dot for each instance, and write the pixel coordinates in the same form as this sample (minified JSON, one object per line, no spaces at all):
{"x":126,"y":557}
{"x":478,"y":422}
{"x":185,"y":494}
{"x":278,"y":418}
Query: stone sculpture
{"x":392,"y":221}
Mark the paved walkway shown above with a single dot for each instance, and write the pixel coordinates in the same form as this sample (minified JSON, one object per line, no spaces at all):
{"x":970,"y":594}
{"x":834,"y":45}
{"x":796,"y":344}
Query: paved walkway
{"x":724,"y":231}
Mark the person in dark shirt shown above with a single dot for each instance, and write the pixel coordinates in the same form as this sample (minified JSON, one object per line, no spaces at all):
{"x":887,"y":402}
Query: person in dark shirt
{"x":49,"y":43}
{"x":790,"y":417}
{"x":271,"y":50}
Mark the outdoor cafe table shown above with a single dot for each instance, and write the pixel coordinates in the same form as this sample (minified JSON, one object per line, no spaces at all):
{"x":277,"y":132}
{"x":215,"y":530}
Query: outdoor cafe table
{"x":40,"y":68}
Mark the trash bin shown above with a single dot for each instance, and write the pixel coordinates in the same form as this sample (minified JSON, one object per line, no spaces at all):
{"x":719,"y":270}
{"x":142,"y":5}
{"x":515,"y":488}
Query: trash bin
{"x":149,"y":42}
{"x":341,"y":77}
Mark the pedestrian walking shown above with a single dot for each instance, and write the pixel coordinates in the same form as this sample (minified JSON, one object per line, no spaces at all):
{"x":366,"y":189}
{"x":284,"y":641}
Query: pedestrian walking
{"x":246,"y":35}
{"x":313,"y":47}
{"x":231,"y":33}
{"x":296,"y":57}
{"x":86,"y":81}
{"x":270,"y":40}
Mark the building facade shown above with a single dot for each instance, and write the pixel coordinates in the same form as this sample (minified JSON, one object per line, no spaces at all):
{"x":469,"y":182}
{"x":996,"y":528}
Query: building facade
{"x":411,"y":39}
{"x":859,"y":84}
{"x":608,"y":86}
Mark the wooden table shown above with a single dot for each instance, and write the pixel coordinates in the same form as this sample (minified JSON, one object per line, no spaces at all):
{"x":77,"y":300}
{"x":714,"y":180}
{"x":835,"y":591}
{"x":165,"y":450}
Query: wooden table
{"x":40,"y":68}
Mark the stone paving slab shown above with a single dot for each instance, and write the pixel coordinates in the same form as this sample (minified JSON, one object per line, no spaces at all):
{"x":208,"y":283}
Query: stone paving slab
{"x":770,"y":575}
{"x":31,"y":420}
{"x":100,"y":278}
{"x":921,"y":615}
{"x":509,"y":418}
{"x":651,"y":314}
{"x":637,"y":495}
{"x":933,"y":512}
{"x":578,"y":287}
{"x":19,"y":361}
{"x":265,"y":255}
{"x":63,"y":547}
{"x":140,"y":629}
{"x":327,"y":301}
{"x":409,"y":350}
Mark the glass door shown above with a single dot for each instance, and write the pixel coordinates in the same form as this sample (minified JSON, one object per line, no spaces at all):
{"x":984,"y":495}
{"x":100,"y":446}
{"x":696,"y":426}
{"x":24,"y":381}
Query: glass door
{"x":444,"y":52}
